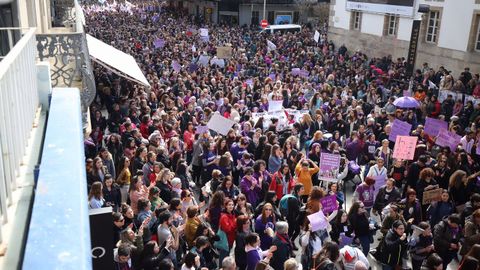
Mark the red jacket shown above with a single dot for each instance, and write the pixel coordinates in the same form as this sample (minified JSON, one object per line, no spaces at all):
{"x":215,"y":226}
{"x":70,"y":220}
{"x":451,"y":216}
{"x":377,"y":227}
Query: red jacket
{"x":228,"y":224}
{"x":277,"y":185}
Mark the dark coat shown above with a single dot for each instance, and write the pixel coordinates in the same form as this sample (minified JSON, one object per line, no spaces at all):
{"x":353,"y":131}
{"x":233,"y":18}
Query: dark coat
{"x":284,"y":249}
{"x":395,"y":248}
{"x":443,"y":237}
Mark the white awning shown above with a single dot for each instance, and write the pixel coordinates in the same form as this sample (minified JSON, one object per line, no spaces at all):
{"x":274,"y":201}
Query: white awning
{"x":119,"y":62}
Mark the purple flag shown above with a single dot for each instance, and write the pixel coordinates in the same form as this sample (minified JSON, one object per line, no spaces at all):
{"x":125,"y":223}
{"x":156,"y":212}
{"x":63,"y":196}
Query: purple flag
{"x":159,"y":43}
{"x":176,"y":66}
{"x":192,"y":68}
{"x":433,"y":126}
{"x":272,"y":76}
{"x":399,"y":128}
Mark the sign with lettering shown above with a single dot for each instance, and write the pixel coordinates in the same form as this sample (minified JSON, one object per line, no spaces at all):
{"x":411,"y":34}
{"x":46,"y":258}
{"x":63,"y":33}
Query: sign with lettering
{"x":432,"y":195}
{"x":412,"y":48}
{"x":329,"y":204}
{"x":448,"y":139}
{"x":329,"y":166}
{"x":405,"y":147}
{"x":433,"y":126}
{"x":399,"y":128}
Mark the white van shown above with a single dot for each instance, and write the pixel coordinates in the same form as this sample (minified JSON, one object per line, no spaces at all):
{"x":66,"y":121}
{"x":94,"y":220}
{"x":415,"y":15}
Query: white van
{"x":282,"y":28}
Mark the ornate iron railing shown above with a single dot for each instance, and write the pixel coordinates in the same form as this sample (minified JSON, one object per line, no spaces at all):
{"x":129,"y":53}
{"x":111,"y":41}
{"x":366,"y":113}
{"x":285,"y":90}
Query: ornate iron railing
{"x":68,"y":53}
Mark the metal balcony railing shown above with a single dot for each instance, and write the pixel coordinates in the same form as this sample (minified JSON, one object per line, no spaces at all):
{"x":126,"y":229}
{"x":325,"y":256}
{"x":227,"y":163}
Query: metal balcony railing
{"x":18,"y":105}
{"x":68,"y":52}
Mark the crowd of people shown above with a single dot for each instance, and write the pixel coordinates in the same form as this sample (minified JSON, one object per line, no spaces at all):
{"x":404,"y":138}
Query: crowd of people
{"x":187,"y":197}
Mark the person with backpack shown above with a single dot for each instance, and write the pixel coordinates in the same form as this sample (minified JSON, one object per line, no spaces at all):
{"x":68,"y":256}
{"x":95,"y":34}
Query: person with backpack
{"x":289,"y":207}
{"x":422,"y":246}
{"x":395,"y":247}
{"x":446,"y":237}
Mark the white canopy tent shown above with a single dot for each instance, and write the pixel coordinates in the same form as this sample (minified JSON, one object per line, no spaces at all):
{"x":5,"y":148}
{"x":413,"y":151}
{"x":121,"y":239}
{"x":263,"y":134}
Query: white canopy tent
{"x":119,"y":62}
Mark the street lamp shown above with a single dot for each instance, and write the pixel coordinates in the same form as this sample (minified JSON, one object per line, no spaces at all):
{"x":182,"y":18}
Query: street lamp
{"x":264,"y":8}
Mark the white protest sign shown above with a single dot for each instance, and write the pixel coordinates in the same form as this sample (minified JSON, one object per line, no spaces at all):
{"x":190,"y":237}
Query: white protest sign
{"x":220,"y":124}
{"x":271,"y":46}
{"x":203,"y":60}
{"x":275,"y":105}
{"x":218,"y":62}
{"x":316,"y":37}
{"x":203,"y":32}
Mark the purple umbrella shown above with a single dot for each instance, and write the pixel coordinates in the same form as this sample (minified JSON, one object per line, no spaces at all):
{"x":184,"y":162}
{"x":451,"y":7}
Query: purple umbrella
{"x":406,"y":102}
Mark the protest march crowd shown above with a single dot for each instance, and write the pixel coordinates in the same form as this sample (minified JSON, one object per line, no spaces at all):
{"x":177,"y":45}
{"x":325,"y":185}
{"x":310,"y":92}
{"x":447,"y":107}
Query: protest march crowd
{"x":243,"y":151}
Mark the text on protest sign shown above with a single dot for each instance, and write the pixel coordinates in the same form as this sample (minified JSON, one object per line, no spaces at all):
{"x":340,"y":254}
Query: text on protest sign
{"x":405,"y":147}
{"x":432,"y":195}
{"x":433,"y":126}
{"x":399,"y":128}
{"x":329,"y":204}
{"x":329,"y":166}
{"x":448,"y":139}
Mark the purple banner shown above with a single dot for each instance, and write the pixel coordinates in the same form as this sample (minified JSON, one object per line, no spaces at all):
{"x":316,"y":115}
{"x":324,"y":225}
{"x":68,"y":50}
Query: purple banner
{"x":295,"y":71}
{"x":159,"y":43}
{"x":329,"y":204}
{"x":448,"y":139}
{"x":433,"y":126}
{"x":329,"y":165}
{"x":304,"y":73}
{"x":176,"y":66}
{"x":399,"y":128}
{"x":192,"y":68}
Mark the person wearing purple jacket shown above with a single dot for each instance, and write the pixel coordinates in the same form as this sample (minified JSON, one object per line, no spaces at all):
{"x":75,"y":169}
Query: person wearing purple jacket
{"x":251,"y":187}
{"x":365,"y":193}
{"x":237,"y":150}
{"x":353,"y":147}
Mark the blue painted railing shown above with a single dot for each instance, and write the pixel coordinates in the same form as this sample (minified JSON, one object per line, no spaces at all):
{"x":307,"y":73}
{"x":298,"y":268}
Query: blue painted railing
{"x":59,"y":232}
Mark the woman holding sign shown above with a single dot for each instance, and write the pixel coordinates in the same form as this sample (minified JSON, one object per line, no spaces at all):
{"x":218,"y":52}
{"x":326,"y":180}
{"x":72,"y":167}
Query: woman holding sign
{"x":304,"y":175}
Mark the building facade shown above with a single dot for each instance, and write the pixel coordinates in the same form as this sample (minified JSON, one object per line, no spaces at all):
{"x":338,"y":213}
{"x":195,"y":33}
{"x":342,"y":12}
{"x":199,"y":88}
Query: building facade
{"x":449,"y":33}
{"x":250,"y":12}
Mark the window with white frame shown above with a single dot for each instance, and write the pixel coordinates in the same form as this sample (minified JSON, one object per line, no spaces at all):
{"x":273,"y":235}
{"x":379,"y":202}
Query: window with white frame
{"x":356,"y":20}
{"x":392,"y":25}
{"x":477,"y":35}
{"x":433,"y":26}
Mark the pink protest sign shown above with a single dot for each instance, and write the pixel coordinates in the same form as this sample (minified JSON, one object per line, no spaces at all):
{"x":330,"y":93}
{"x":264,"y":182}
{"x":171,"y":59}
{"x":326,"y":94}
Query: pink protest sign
{"x":405,"y":147}
{"x":329,"y":165}
{"x":399,"y":128}
{"x":318,"y":221}
{"x":329,"y":203}
{"x":433,"y":126}
{"x":446,"y":138}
